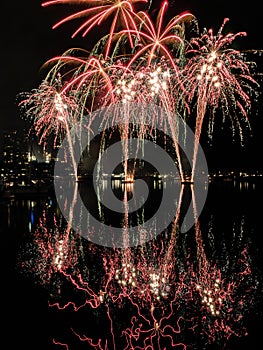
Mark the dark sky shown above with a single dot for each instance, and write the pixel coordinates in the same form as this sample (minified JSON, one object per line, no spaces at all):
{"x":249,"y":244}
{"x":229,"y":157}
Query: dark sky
{"x":28,"y":40}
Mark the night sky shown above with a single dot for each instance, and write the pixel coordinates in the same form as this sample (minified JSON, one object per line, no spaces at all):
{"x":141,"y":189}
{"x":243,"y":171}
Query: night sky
{"x":29,"y":41}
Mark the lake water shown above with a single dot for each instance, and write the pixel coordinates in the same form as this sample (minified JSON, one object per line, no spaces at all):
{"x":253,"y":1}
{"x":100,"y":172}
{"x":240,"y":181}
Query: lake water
{"x":201,"y":289}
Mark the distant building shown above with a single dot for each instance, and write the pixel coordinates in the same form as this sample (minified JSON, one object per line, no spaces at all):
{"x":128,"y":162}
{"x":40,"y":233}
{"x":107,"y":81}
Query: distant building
{"x":22,"y":161}
{"x":15,"y":157}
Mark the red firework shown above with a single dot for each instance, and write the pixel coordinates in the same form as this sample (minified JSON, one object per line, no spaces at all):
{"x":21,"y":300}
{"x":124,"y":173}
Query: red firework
{"x":52,"y":111}
{"x":121,"y":13}
{"x":215,"y":75}
{"x":91,"y":81}
{"x":158,"y":39}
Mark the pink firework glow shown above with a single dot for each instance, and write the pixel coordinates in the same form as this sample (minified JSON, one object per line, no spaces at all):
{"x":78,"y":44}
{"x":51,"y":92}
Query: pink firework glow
{"x":164,"y":296}
{"x":99,"y":83}
{"x":135,"y":280}
{"x":222,"y":298}
{"x":52,"y":253}
{"x":217,"y":76}
{"x":50,"y":111}
{"x":201,"y":76}
{"x":90,"y":78}
{"x":146,"y":86}
{"x":163,"y":290}
{"x":159,"y":40}
{"x":54,"y":114}
{"x":121,"y":14}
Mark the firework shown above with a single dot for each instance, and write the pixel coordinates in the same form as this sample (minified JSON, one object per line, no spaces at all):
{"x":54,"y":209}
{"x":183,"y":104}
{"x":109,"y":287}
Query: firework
{"x":163,"y":297}
{"x":53,"y":252}
{"x":53,"y":114}
{"x":217,"y":76}
{"x":121,"y":14}
{"x":157,"y":40}
{"x":88,"y":79}
{"x":224,"y":300}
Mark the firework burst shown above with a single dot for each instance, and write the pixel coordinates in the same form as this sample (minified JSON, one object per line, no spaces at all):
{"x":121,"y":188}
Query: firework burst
{"x":89,"y":79}
{"x":224,"y":300}
{"x":121,"y":14}
{"x":217,"y":75}
{"x":149,"y":280}
{"x":53,"y":114}
{"x":157,"y":40}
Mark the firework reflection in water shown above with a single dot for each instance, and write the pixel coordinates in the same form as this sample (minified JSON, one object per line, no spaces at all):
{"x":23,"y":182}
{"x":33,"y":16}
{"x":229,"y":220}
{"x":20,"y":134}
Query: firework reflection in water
{"x":162,"y":295}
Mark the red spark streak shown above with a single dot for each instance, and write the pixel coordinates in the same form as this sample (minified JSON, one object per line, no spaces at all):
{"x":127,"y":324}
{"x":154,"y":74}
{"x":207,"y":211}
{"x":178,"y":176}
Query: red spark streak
{"x":61,"y":344}
{"x":216,"y":74}
{"x":122,"y":12}
{"x":155,"y":39}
